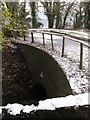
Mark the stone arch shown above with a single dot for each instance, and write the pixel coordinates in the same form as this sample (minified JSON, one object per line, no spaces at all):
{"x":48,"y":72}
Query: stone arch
{"x":46,"y":71}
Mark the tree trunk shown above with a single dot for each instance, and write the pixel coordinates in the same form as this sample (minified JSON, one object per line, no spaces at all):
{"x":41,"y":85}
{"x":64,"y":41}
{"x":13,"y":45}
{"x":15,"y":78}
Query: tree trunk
{"x":65,"y":20}
{"x":33,"y":14}
{"x":50,"y":22}
{"x":89,"y":15}
{"x":24,"y":37}
{"x":15,"y":35}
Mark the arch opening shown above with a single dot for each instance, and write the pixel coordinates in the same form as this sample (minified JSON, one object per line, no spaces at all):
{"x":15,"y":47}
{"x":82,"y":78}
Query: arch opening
{"x":38,"y":92}
{"x":45,"y":72}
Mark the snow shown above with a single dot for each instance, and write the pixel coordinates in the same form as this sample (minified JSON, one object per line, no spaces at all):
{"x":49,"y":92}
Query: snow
{"x":46,"y":105}
{"x":14,"y":108}
{"x":49,"y":104}
{"x":78,"y":79}
{"x":0,"y":110}
{"x":81,"y":99}
{"x":28,"y":109}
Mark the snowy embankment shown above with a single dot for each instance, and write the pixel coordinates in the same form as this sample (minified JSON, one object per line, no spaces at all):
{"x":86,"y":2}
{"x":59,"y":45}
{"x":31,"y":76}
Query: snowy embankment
{"x":49,"y":104}
{"x":78,"y":79}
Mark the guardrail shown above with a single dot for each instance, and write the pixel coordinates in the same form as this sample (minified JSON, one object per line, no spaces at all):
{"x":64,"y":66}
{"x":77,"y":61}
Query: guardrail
{"x":64,"y":35}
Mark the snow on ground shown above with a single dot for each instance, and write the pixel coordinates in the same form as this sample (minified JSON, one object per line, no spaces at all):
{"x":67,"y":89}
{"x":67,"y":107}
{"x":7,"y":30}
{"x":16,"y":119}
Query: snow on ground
{"x":79,"y":79}
{"x":49,"y":104}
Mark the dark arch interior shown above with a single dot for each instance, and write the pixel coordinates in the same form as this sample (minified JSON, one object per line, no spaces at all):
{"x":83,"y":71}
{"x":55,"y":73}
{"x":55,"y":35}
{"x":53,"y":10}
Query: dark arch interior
{"x":38,"y":92}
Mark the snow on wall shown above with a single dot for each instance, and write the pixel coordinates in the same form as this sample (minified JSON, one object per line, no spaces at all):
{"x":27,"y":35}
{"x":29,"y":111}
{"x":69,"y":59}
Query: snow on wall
{"x":49,"y":104}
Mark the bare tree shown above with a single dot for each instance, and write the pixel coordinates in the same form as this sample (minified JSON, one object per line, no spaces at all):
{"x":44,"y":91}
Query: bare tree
{"x":49,"y":12}
{"x":68,"y":9}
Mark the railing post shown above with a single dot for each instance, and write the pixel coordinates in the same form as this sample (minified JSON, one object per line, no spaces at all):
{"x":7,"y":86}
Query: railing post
{"x":32,"y":37}
{"x":81,"y":55}
{"x":52,"y":42}
{"x":43,"y":39}
{"x":63,"y":46}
